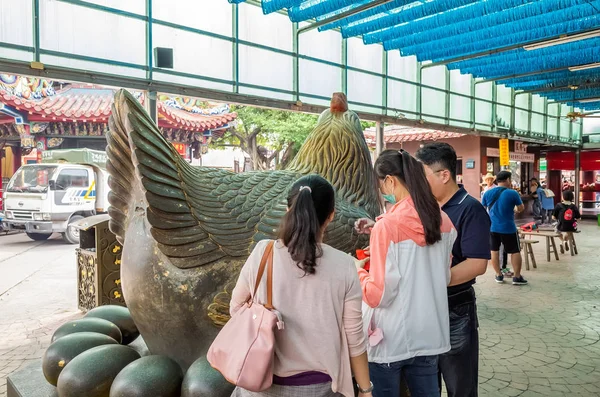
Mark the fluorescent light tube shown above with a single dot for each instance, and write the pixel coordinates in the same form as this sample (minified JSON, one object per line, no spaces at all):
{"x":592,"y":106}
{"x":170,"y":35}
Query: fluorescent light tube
{"x":584,"y":67}
{"x":588,"y":100}
{"x":562,"y":40}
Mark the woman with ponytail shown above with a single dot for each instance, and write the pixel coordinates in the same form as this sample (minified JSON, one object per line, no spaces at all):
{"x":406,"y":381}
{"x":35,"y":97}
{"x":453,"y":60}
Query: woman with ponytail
{"x":317,"y":291}
{"x":406,"y":303}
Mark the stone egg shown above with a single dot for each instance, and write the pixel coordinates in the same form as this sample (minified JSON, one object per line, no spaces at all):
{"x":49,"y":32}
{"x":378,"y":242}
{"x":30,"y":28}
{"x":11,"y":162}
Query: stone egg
{"x":202,"y":380}
{"x":119,"y":316}
{"x":156,"y":376}
{"x":88,"y":325}
{"x":92,"y":373}
{"x":65,"y":349}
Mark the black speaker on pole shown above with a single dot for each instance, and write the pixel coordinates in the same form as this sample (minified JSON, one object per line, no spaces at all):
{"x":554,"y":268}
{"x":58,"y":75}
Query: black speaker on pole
{"x":163,"y":57}
{"x":585,"y":139}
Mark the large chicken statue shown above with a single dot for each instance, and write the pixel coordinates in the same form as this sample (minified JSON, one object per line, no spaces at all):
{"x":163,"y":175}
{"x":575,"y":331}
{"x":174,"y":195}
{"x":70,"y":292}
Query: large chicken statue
{"x":187,"y":230}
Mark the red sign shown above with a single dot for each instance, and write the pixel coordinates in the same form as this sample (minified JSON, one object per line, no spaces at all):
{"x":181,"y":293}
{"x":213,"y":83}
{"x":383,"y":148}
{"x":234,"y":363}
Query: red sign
{"x":181,"y":148}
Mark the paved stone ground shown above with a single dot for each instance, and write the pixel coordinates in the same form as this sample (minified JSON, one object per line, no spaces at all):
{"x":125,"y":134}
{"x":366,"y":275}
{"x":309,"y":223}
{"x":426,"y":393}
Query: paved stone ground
{"x":37,"y":294}
{"x":538,"y":340}
{"x":543,"y":339}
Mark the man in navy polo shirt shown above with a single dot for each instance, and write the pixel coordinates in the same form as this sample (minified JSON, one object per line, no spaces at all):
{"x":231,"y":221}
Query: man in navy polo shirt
{"x":470,"y":255}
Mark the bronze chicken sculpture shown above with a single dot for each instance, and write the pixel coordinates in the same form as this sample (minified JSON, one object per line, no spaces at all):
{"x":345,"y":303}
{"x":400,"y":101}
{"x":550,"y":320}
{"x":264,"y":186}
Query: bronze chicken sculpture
{"x":187,"y":230}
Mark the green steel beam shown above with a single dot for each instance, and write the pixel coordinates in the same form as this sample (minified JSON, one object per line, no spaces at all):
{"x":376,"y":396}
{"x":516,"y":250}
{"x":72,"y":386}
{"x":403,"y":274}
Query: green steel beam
{"x":235,"y":59}
{"x":149,"y":45}
{"x":345,"y":66}
{"x":545,"y":123}
{"x":571,"y":109}
{"x":419,"y":90}
{"x":513,"y":110}
{"x":18,"y":47}
{"x":110,"y":10}
{"x":36,"y":30}
{"x":529,"y":114}
{"x":92,"y":59}
{"x":495,"y":107}
{"x":295,"y":62}
{"x":559,"y":115}
{"x":448,"y":97}
{"x":472,"y":102}
{"x":384,"y":88}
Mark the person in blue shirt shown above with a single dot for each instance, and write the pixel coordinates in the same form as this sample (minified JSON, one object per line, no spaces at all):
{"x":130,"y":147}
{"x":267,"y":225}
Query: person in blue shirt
{"x":502,"y":202}
{"x":470,"y":255}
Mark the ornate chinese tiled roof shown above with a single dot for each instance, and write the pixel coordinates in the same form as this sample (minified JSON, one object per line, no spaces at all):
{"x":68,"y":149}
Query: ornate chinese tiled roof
{"x":70,"y":104}
{"x":400,"y":134}
{"x":179,"y":118}
{"x":78,"y":103}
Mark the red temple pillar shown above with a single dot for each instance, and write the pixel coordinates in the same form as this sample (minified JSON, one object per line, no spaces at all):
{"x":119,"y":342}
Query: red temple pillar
{"x":554,"y":183}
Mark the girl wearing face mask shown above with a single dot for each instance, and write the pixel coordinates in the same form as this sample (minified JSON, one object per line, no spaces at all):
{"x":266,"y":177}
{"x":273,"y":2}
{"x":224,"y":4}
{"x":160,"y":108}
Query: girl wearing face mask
{"x":405,"y":305}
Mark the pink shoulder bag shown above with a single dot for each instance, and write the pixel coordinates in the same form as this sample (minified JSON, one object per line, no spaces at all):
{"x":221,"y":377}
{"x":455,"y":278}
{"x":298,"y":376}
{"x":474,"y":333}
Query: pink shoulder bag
{"x":244,"y":351}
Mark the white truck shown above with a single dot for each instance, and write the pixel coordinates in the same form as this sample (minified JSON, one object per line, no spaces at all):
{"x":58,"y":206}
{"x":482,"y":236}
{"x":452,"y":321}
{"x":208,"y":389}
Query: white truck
{"x":69,"y":185}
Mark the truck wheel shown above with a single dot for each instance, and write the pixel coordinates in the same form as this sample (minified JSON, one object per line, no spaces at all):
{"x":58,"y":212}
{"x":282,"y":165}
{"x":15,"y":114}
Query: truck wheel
{"x":71,"y":236}
{"x":38,"y":236}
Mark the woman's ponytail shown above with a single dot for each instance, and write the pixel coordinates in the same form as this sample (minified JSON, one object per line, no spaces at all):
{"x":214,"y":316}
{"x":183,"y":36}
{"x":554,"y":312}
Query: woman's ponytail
{"x":425,"y":203}
{"x":310,"y":203}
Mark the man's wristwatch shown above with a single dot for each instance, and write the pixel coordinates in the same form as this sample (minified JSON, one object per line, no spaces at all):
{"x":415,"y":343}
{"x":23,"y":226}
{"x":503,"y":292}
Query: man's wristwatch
{"x":367,"y":390}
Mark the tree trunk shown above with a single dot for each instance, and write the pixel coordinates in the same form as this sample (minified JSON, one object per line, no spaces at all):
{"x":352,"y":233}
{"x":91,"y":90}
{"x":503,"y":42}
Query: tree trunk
{"x":255,"y":157}
{"x":288,"y":155}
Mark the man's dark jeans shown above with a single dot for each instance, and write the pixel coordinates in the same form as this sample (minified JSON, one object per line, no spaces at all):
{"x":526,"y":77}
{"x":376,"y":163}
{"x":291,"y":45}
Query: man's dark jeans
{"x":460,"y":366}
{"x":420,"y":374}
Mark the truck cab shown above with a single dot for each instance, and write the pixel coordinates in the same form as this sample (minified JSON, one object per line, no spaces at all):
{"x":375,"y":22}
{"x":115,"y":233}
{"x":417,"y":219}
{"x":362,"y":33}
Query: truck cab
{"x":42,"y":199}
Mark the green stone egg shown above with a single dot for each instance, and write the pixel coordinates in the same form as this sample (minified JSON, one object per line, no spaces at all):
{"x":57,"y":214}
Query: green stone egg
{"x":119,"y":316}
{"x":62,"y":351}
{"x":88,"y":325}
{"x":92,"y":373}
{"x":202,"y":380}
{"x":157,"y":376}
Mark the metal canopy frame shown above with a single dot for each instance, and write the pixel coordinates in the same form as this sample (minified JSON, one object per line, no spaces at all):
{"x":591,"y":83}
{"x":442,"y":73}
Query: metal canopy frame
{"x":464,"y":33}
{"x":383,"y":113}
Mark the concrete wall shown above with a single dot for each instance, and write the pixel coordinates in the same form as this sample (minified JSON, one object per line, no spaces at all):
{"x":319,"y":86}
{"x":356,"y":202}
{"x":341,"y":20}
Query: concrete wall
{"x":467,"y":148}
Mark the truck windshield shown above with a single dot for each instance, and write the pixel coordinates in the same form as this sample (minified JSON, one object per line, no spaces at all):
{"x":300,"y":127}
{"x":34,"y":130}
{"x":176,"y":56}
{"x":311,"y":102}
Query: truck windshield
{"x":31,"y":179}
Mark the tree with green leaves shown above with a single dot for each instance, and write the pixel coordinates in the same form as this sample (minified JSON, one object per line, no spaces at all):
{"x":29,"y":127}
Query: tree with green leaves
{"x":267,"y":135}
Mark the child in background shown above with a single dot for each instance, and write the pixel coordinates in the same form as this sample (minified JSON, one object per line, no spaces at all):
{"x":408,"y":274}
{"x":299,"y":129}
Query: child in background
{"x":566,"y":214}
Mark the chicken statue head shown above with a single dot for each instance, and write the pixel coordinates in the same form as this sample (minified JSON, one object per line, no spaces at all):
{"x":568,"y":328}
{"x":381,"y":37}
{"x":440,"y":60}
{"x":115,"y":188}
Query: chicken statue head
{"x":186,"y":231}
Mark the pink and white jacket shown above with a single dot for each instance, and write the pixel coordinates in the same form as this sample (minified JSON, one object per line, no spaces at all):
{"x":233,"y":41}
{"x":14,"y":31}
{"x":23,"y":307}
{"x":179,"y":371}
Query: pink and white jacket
{"x":404,"y":292}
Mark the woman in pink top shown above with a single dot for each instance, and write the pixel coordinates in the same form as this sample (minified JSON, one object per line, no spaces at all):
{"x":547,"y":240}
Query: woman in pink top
{"x":406,"y":303}
{"x":317,"y":291}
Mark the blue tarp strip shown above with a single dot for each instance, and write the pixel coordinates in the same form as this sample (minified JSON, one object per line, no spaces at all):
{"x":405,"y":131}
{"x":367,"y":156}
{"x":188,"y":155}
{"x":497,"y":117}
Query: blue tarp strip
{"x":513,"y":20}
{"x":369,"y":15}
{"x":542,"y":27}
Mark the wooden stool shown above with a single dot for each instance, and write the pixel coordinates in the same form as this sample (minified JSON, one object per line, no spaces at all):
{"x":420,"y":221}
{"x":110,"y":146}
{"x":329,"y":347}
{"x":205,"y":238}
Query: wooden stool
{"x":528,"y":252}
{"x":550,"y":242}
{"x":551,"y":247}
{"x":572,"y":243}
